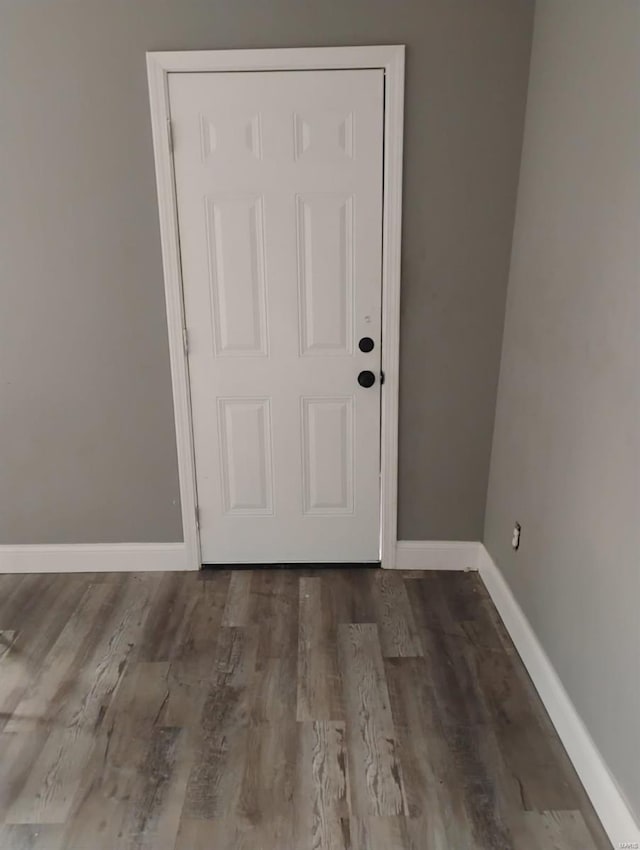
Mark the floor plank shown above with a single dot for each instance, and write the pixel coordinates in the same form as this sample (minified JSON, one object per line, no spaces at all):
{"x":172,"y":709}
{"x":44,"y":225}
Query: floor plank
{"x":236,"y":610}
{"x":6,"y":642}
{"x":394,"y":616}
{"x":153,"y":815}
{"x":376,"y":776}
{"x":71,"y":643}
{"x":18,"y":754}
{"x":114,"y":778}
{"x":553,"y":830}
{"x":214,"y":784}
{"x":319,"y":692}
{"x":44,"y":605}
{"x":31,"y":837}
{"x":322,"y":789}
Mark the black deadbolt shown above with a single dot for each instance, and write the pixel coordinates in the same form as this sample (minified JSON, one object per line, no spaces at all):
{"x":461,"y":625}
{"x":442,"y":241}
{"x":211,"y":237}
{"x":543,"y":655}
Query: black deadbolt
{"x":366,"y":379}
{"x":366,"y":344}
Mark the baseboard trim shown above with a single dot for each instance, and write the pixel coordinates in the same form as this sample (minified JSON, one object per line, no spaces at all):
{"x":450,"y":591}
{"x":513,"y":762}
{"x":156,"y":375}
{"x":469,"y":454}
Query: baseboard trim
{"x":605,"y":796}
{"x":437,"y":555}
{"x":94,"y":558}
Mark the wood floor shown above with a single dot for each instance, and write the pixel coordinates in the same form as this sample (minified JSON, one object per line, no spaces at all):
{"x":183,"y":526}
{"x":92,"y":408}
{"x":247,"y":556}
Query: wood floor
{"x":273,"y":710}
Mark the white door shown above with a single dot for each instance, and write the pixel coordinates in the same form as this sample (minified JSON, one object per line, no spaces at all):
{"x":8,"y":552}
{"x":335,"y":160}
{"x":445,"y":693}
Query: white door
{"x":279,"y":188}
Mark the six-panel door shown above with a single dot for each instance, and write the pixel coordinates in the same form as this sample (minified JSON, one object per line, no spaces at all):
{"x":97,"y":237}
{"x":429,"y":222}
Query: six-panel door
{"x":279,"y":188}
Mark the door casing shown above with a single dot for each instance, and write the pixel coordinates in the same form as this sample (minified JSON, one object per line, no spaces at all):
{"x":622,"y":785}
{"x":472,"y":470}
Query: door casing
{"x":389,"y":58}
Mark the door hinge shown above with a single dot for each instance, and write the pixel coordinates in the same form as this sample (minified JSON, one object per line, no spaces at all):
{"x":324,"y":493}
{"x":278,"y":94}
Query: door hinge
{"x":185,"y":340}
{"x":197,"y":517}
{"x":381,"y":378}
{"x":170,"y":134}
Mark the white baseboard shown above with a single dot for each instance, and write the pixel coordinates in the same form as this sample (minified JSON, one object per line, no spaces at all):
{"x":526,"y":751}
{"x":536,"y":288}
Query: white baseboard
{"x":437,"y":555}
{"x":94,"y":558}
{"x":606,"y":797}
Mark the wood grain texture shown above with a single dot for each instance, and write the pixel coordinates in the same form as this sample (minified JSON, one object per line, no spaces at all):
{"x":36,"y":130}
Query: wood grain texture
{"x":394,"y":616}
{"x":214,"y":784}
{"x":376,"y":775}
{"x":42,"y":608}
{"x":274,"y":710}
{"x":68,"y":650}
{"x":114,"y":777}
{"x":236,"y":609}
{"x":322,"y":788}
{"x":31,"y":837}
{"x":319,"y":690}
{"x":553,"y":831}
{"x":6,"y":642}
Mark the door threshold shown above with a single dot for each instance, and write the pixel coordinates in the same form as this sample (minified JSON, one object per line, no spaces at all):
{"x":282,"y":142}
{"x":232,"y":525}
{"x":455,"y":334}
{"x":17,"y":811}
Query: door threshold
{"x":297,"y":565}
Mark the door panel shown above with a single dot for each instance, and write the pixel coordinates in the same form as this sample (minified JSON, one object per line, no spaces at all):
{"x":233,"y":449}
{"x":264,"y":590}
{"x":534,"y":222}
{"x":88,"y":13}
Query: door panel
{"x":246,"y":466}
{"x":279,"y":189}
{"x":235,"y":235}
{"x":327,"y":455}
{"x":325,"y":273}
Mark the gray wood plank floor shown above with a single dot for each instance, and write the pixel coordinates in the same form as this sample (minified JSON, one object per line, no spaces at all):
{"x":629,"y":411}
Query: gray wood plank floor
{"x":274,"y":710}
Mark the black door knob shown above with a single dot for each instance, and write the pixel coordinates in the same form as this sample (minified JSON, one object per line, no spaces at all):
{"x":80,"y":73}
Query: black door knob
{"x":366,"y":344}
{"x":366,"y":379}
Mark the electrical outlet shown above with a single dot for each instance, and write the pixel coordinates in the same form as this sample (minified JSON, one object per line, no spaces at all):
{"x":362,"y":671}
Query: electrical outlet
{"x":515,"y":538}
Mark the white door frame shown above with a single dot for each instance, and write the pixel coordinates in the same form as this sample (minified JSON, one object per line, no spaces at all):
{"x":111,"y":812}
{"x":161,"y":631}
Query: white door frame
{"x":389,"y":58}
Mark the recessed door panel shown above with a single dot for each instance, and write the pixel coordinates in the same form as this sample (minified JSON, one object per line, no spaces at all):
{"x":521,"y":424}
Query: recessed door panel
{"x":235,"y":233}
{"x":324,"y":136}
{"x":245,"y":455}
{"x":325,"y":273}
{"x":327,"y":466}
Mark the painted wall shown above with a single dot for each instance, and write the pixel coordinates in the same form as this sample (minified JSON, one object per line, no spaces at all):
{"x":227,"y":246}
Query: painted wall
{"x":87,"y":451}
{"x":566,"y":450}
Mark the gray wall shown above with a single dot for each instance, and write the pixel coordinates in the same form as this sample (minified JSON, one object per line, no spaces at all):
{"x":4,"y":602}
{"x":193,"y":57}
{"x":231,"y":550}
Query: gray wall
{"x":87,"y":449}
{"x":566,"y":451}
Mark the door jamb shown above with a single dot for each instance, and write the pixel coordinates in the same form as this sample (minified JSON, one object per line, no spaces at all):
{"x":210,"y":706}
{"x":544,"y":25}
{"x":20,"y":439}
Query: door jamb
{"x":389,"y":58}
